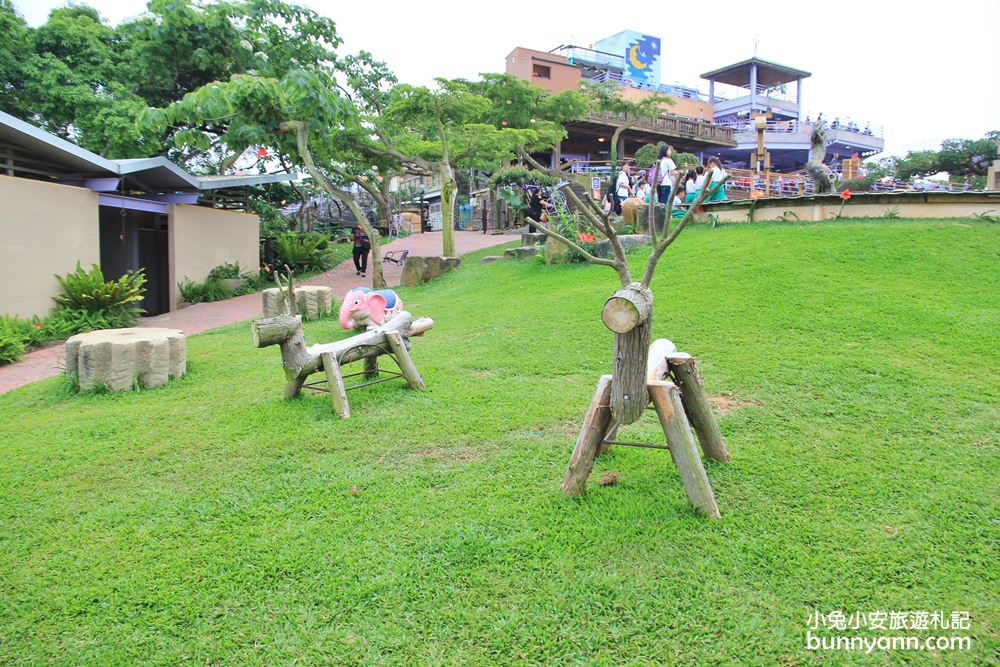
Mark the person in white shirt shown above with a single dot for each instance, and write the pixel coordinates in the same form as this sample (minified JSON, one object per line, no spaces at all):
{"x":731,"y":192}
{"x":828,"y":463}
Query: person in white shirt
{"x":717,"y":174}
{"x":699,"y":179}
{"x":623,"y":187}
{"x":666,"y":170}
{"x":642,"y":187}
{"x":690,"y":186}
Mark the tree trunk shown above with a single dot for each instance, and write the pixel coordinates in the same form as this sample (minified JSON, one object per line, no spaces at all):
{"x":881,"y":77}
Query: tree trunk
{"x":448,"y":188}
{"x":629,"y":314}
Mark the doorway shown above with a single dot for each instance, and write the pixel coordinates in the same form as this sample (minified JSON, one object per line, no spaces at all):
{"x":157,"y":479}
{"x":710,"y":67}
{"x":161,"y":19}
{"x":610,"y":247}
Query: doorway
{"x":133,"y":240}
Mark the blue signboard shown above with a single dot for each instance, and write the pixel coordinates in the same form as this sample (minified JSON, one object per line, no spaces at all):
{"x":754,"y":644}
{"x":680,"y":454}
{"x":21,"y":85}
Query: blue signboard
{"x":641,"y":53}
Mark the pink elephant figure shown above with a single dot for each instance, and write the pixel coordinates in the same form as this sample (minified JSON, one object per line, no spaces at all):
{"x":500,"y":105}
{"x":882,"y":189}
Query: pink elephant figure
{"x":364,"y":307}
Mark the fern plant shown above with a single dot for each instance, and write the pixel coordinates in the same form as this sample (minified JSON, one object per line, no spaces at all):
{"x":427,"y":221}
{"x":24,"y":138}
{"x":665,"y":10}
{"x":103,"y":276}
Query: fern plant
{"x":298,"y":249}
{"x":88,"y":291}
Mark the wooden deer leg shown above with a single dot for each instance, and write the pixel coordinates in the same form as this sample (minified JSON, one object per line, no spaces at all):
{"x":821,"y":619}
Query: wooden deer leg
{"x":335,"y":383}
{"x":592,"y":434}
{"x":683,"y":450}
{"x":699,"y":412}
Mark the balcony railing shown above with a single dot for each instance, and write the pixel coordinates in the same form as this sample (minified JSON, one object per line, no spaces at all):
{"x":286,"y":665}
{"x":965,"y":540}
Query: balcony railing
{"x":673,"y":91}
{"x":792,"y":126}
{"x":577,"y":55}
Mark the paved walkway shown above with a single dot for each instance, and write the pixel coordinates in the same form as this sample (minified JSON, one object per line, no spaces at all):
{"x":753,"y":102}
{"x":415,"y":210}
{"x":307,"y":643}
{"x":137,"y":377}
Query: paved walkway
{"x":203,"y":316}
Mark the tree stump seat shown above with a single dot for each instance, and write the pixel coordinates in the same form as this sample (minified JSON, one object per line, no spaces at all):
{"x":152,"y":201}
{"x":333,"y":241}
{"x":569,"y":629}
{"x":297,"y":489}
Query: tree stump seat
{"x":123,"y":359}
{"x":311,"y":301}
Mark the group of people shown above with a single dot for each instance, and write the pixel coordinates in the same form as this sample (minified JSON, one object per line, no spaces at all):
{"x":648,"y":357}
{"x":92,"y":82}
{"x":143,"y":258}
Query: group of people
{"x":659,"y":180}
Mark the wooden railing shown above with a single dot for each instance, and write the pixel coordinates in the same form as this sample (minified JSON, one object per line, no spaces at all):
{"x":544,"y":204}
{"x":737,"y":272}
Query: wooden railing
{"x":672,"y":125}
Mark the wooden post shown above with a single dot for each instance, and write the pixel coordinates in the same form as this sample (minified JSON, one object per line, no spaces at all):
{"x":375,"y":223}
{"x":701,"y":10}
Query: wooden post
{"x":592,"y":434}
{"x":335,"y":383}
{"x":403,"y":360}
{"x":684,"y":452}
{"x":371,"y":367}
{"x":628,"y":313}
{"x":697,"y":407}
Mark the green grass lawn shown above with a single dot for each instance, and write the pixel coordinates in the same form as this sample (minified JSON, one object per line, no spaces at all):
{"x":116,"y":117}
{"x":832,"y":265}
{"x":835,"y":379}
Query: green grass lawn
{"x":212,"y":522}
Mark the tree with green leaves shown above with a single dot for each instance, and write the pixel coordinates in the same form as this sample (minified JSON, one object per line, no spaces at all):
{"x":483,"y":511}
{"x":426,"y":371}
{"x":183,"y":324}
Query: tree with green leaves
{"x":81,"y":79}
{"x":295,"y":116}
{"x":14,"y":48}
{"x":958,"y":157}
{"x":606,"y":100}
{"x":439,"y":130}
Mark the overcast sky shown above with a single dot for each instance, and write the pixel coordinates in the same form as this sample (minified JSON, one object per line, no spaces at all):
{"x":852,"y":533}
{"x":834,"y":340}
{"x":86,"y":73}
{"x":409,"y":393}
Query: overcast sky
{"x":922,"y":72}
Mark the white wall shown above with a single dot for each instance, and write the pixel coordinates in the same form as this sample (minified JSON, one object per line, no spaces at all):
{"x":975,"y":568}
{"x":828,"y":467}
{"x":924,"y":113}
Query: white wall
{"x":203,"y":238}
{"x":44,"y":230}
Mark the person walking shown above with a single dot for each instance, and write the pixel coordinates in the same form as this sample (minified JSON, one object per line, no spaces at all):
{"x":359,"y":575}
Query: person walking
{"x":362,"y":244}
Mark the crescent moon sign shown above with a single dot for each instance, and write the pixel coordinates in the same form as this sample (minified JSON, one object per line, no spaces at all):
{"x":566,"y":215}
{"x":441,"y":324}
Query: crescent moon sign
{"x":638,"y":64}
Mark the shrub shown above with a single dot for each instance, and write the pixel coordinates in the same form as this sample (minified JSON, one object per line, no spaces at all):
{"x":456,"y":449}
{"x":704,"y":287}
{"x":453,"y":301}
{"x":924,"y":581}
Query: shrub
{"x":210,"y":290}
{"x":300,"y":249}
{"x":30,"y":331}
{"x":88,"y":291}
{"x":11,"y":345}
{"x":191,"y":291}
{"x":253,"y":283}
{"x":66,"y":322}
{"x":225,"y":271}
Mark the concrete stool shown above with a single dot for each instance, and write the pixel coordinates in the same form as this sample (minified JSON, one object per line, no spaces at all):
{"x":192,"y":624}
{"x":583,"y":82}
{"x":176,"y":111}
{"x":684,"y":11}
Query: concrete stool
{"x":311,"y":301}
{"x":125,"y":358}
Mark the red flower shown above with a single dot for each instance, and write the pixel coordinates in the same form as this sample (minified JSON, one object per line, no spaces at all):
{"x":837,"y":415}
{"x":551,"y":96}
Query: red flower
{"x":756,"y":194}
{"x":261,"y":152}
{"x":846,"y":194}
{"x":38,"y":325}
{"x":586,"y":238}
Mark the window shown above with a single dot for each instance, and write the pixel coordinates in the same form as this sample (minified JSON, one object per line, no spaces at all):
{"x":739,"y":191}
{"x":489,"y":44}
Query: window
{"x":541,"y":71}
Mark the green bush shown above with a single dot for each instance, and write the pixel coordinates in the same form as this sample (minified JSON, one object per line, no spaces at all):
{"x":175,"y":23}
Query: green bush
{"x":300,"y":249}
{"x":225,"y":271}
{"x":210,"y":290}
{"x":253,"y":283}
{"x":191,"y":291}
{"x":31,"y":332}
{"x":88,"y":291}
{"x":11,"y":345}
{"x":66,"y":322}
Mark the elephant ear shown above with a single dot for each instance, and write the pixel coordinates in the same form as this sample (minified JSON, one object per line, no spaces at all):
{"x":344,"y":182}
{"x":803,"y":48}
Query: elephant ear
{"x":376,"y":306}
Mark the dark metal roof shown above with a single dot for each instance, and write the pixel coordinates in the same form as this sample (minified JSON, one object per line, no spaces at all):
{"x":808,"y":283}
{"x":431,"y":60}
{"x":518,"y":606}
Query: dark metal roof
{"x":768,"y":74}
{"x":30,"y":151}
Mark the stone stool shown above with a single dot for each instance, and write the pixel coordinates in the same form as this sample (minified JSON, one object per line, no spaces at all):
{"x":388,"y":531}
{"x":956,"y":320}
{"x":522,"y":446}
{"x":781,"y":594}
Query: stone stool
{"x":311,"y":301}
{"x":125,"y":358}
